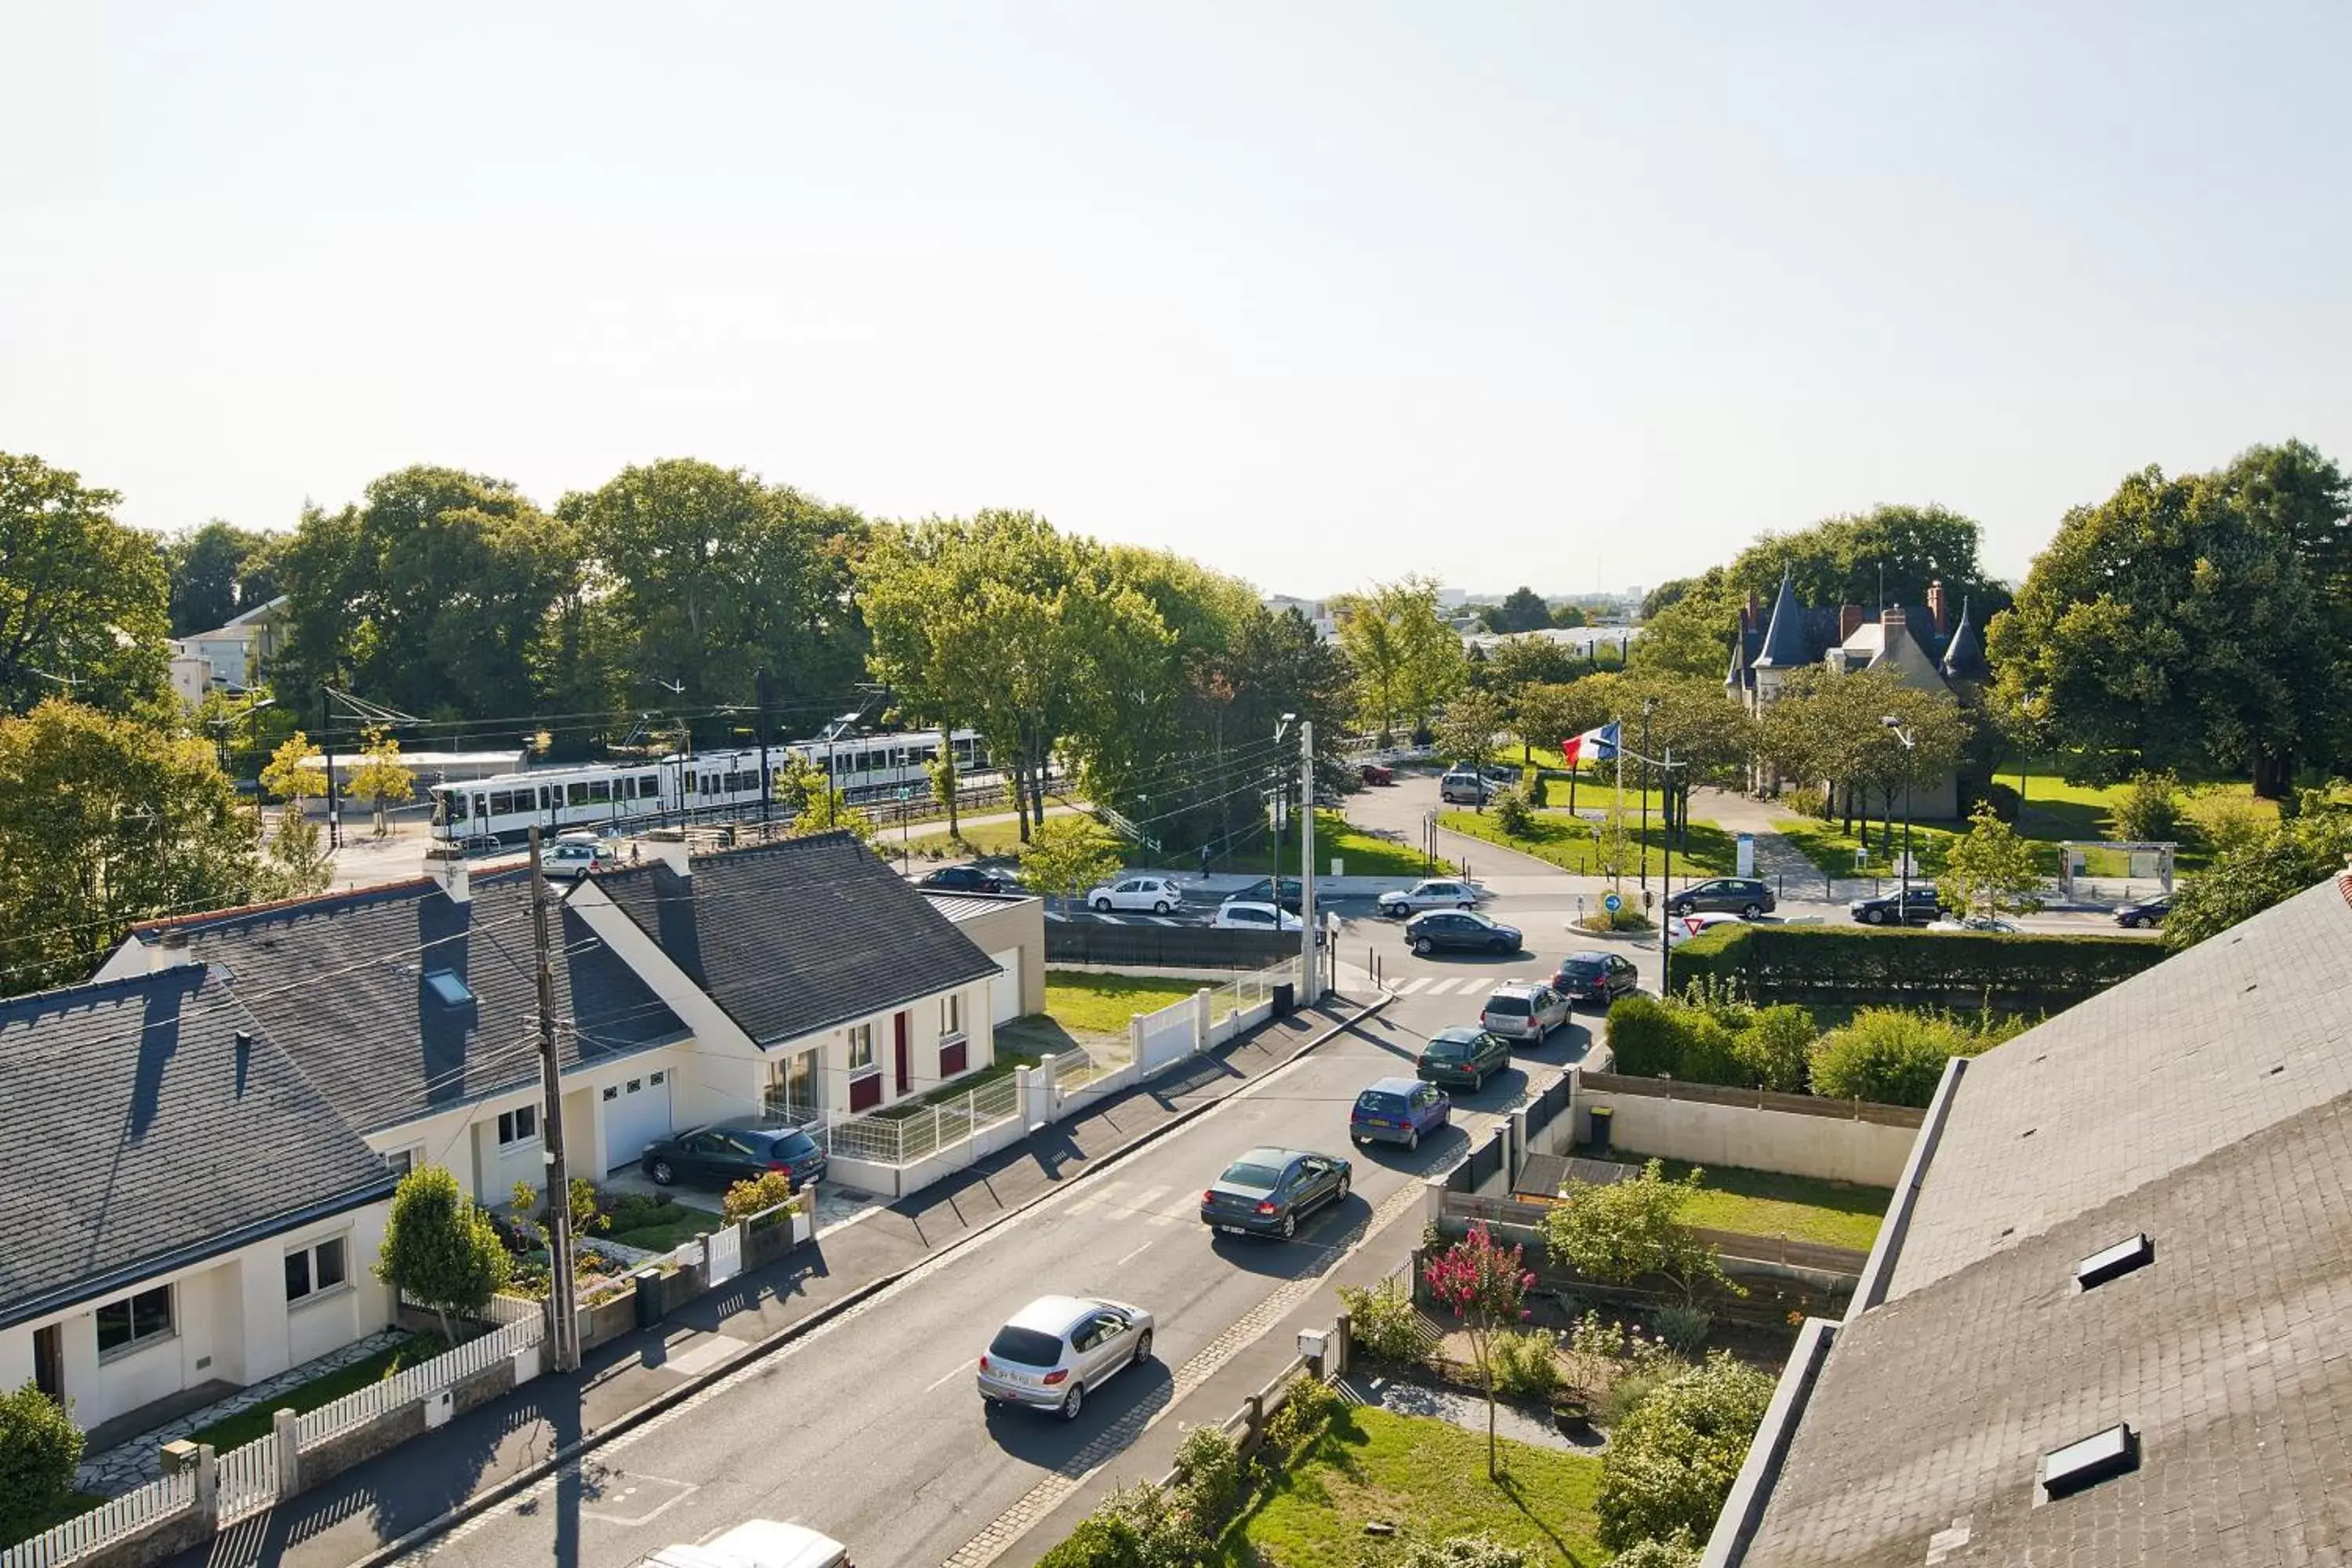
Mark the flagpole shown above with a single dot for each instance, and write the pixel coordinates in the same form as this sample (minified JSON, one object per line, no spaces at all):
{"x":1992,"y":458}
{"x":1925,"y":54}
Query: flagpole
{"x":1617,"y":810}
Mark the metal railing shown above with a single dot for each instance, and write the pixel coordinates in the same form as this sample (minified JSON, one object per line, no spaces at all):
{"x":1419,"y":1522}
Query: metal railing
{"x":1247,"y":991}
{"x":905,"y":1137}
{"x":115,"y":1516}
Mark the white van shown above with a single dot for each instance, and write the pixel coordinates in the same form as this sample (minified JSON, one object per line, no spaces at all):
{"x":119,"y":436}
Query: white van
{"x":758,"y":1543}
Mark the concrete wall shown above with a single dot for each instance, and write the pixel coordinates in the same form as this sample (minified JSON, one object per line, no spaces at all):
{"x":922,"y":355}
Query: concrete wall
{"x":1830,"y":1148}
{"x":1015,"y":926}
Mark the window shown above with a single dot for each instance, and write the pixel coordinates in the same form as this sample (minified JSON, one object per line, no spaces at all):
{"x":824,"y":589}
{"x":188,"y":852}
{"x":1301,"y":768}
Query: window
{"x":576,"y":793}
{"x":599,"y":789}
{"x":447,"y":988}
{"x":457,"y":805}
{"x":649,"y":786}
{"x":134,"y":1321}
{"x":315,"y":1270}
{"x":519,"y":1125}
{"x":861,"y":1047}
{"x":952,"y":1013}
{"x":402,"y":1161}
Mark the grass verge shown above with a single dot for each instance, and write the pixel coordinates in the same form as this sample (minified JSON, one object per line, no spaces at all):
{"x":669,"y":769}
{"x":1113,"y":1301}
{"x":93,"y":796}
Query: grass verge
{"x":1429,"y":1476}
{"x":245,"y":1425}
{"x":1088,"y":1003}
{"x":689,"y":1223}
{"x":1764,"y":1203}
{"x":1567,"y":842}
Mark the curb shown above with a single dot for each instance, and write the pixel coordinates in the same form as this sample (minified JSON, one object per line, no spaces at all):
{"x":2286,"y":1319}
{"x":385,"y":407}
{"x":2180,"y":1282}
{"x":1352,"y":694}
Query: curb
{"x":482,"y":1502}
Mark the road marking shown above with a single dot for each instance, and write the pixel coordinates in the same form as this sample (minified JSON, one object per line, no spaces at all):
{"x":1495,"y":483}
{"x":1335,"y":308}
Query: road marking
{"x":1144,"y":1200}
{"x":962,"y":1369}
{"x":1410,"y":986}
{"x":1444,"y":984}
{"x":1164,"y":920}
{"x":1109,"y":919}
{"x":1089,"y":1202}
{"x":1132,"y":1256}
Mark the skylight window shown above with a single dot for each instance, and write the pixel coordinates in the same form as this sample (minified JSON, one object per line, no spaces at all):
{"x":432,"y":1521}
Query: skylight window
{"x":2089,"y":1461}
{"x":447,"y":989}
{"x":2113,"y":1262}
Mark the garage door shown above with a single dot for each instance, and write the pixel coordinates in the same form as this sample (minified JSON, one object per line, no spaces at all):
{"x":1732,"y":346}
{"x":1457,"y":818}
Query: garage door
{"x":1005,"y":991}
{"x":636,"y":1112}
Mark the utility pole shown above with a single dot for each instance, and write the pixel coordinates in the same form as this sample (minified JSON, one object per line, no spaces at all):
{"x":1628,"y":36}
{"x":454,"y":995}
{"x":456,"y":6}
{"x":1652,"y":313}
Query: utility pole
{"x":1647,"y":704}
{"x":1308,"y":965}
{"x":760,"y":737}
{"x":561,"y":1314}
{"x":327,"y":742}
{"x":1666,"y":889}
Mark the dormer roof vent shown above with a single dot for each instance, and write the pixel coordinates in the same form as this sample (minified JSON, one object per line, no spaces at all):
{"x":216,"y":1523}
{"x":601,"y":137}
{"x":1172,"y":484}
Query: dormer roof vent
{"x":2090,"y":1461}
{"x":2113,"y":1262}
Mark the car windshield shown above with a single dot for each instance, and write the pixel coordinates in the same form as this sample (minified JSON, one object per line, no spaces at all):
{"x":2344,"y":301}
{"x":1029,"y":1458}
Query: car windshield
{"x":1475,"y":919}
{"x":792,"y":1146}
{"x":1509,"y":1007}
{"x":1448,"y":1050}
{"x":1243,"y":1173}
{"x":1025,"y":1347}
{"x":1583,"y":968}
{"x":1379,"y":1104}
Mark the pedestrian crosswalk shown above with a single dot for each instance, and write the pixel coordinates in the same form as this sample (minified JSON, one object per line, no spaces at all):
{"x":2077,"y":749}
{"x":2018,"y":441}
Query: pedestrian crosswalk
{"x":1440,"y":985}
{"x":1158,"y":1205}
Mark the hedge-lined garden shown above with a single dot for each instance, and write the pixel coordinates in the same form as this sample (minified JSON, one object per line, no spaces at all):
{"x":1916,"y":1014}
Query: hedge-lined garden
{"x":2035,"y":970}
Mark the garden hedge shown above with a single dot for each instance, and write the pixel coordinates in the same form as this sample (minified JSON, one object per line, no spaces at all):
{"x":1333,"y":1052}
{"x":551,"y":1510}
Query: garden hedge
{"x":1807,"y":963}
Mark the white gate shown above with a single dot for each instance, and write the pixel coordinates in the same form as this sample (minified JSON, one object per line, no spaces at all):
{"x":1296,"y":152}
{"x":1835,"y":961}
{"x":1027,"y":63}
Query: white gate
{"x":726,"y":1253}
{"x":248,"y":1478}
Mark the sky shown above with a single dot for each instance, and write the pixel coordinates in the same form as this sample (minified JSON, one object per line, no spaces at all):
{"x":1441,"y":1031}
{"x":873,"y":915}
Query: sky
{"x":1572,"y":296}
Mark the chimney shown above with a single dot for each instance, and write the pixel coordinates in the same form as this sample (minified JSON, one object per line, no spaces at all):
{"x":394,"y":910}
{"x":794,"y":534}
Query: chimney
{"x":1936,"y":607}
{"x":169,"y":951}
{"x":668,"y":846}
{"x":1897,"y":625}
{"x":445,"y":864}
{"x":1755,"y":611}
{"x":1849,"y":621}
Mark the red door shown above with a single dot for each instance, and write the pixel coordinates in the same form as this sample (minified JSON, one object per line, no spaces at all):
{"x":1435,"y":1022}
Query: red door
{"x":904,"y":1053}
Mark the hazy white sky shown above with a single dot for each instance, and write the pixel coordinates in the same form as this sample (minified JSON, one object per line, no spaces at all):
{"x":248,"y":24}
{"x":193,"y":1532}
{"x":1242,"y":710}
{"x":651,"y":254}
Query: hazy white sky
{"x":1568,"y":295}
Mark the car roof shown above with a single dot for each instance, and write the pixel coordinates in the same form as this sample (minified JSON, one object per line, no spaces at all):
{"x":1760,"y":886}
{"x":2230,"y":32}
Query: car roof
{"x":1263,"y":908}
{"x":745,"y":1124}
{"x":1394,"y":1085}
{"x":1516,"y":988}
{"x":1051,"y":1314}
{"x":1458,"y":1032}
{"x":1267,"y":1154}
{"x":1587,"y":955}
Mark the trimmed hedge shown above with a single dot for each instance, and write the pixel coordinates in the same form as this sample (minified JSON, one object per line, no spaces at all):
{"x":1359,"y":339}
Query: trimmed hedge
{"x":1831,"y":963}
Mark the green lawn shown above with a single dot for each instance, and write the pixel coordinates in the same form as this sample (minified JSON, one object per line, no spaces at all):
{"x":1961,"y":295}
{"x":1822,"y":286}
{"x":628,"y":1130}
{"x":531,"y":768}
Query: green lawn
{"x":1427,"y":1476}
{"x":1567,"y":842}
{"x":72,"y":1506}
{"x":1763,"y":1202}
{"x":986,"y":838}
{"x":689,"y":1222}
{"x":236,"y":1431}
{"x":1008,"y":1056}
{"x":1830,"y":847}
{"x":1088,"y":1003}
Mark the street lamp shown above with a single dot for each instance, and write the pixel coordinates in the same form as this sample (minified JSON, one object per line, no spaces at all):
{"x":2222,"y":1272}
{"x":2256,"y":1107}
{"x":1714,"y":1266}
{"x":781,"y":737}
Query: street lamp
{"x":1648,"y":704}
{"x":1279,"y":803}
{"x":1903,"y":906}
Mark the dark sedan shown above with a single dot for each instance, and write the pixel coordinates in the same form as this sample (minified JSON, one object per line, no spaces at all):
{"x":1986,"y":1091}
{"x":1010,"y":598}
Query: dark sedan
{"x":1459,"y":930}
{"x":1463,"y":1059}
{"x":734,"y":1152}
{"x":966,"y":880}
{"x":2144,"y":913}
{"x":1268,"y":1192}
{"x":1262,"y":891}
{"x":1924,"y":906}
{"x":1595,"y":979}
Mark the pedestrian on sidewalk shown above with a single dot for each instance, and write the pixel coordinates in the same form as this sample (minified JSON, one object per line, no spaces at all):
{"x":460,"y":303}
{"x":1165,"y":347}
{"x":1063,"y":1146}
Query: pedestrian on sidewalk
{"x":1204,"y":857}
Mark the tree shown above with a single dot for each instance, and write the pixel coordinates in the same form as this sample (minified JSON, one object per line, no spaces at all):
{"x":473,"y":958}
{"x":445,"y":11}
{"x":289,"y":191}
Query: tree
{"x":1568,"y":616}
{"x":1547,"y":713}
{"x":440,"y":1249}
{"x":1407,"y":659}
{"x":380,"y":779}
{"x":1671,"y":1463}
{"x":83,"y":598}
{"x":1483,"y":1284}
{"x":2150,"y":812}
{"x":1713,"y":741}
{"x":290,"y":774}
{"x":2201,"y":622}
{"x":2241,"y":883}
{"x":1621,"y":1232}
{"x":105,"y":821}
{"x":1067,"y":855}
{"x":1466,"y":733}
{"x":1990,"y":870}
{"x":1524,"y":610}
{"x":296,"y":851}
{"x":40,"y":1450}
{"x":1516,"y":662}
{"x":1677,"y":1552}
{"x":217,"y":573}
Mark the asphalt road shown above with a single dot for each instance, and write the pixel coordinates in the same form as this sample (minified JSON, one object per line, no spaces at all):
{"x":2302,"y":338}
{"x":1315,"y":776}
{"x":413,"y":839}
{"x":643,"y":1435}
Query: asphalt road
{"x":872,"y":1430}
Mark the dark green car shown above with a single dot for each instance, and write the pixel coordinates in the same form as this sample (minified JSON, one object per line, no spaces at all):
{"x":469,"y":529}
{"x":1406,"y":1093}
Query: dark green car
{"x":1463,"y":1059}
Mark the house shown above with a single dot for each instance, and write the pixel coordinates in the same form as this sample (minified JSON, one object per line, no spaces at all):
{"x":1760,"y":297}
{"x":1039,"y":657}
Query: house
{"x":2104,"y":1321}
{"x":187,"y":1211}
{"x":1933,"y":652}
{"x":1011,"y":928}
{"x":232,"y":658}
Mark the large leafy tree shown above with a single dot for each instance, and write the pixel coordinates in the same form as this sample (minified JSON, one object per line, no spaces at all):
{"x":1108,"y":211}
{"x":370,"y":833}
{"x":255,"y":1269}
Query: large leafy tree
{"x":2199,"y":622}
{"x":1833,"y":729}
{"x":2242,"y":882}
{"x":105,"y":821}
{"x":83,"y":598}
{"x":1711,"y":740}
{"x":1620,"y":1233}
{"x":1990,"y":870}
{"x":1406,"y":658}
{"x":1522,"y":610}
{"x":218,"y":572}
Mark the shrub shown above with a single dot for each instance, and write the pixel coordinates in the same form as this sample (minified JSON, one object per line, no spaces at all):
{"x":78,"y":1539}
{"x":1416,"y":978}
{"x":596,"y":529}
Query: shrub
{"x":1709,"y":1052}
{"x":1308,"y":1408}
{"x":1626,"y":919}
{"x":1856,"y":963}
{"x":1777,"y":1047}
{"x":40,"y":1449}
{"x":1677,"y":1552}
{"x":1629,"y":1389}
{"x":1538,"y":788}
{"x":1644,"y":1036}
{"x":1209,"y":1484}
{"x":439,"y":1250}
{"x":1806,"y":800}
{"x":762,"y":1192}
{"x":1672,"y":1461}
{"x":2229,"y":821}
{"x":1479,"y":1551}
{"x":1684,"y":1327}
{"x":1385,"y":1325}
{"x":1512,"y":814}
{"x":1893,"y":1057}
{"x":2002,"y":800}
{"x":2149,"y":810}
{"x":636,"y":1211}
{"x":1525,"y":1364}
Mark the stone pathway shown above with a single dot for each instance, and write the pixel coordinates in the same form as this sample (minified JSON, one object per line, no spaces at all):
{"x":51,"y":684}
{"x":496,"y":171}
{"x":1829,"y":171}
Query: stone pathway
{"x":1468,"y":1410}
{"x":136,"y":1462}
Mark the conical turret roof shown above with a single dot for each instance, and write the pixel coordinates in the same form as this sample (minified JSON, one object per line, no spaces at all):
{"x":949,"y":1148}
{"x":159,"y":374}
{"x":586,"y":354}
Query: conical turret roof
{"x":1784,"y":635}
{"x":1964,"y":656}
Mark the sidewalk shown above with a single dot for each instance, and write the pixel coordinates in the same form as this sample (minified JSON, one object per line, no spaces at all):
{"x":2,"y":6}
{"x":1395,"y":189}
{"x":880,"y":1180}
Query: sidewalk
{"x":393,"y":1502}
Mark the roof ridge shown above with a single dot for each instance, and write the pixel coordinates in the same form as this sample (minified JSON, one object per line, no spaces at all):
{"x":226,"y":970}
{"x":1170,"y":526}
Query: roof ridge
{"x":353,"y":896}
{"x":94,"y":986}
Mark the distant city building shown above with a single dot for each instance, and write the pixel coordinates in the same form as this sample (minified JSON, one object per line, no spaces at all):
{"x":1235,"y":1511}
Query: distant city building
{"x":1316,"y":613}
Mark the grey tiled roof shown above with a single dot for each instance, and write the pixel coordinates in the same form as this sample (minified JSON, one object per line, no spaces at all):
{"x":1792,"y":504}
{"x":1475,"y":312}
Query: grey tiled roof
{"x":2208,"y":1103}
{"x":799,"y":936}
{"x":137,"y":1136}
{"x":1786,"y":643}
{"x":343,"y":983}
{"x":960,"y":907}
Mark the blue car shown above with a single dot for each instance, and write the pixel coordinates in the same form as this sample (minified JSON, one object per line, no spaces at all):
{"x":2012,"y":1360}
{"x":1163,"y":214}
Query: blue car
{"x":1399,"y":1110}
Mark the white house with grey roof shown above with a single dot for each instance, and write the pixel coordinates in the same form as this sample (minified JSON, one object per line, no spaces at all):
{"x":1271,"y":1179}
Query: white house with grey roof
{"x":2105,"y":1321}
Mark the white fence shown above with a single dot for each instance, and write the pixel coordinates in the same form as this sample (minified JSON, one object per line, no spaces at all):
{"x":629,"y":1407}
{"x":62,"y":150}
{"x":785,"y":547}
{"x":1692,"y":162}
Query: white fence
{"x":902,"y":1140}
{"x":1253,"y":989}
{"x":248,"y":1478}
{"x":412,"y":1383}
{"x":115,"y":1516}
{"x":726,"y":1253}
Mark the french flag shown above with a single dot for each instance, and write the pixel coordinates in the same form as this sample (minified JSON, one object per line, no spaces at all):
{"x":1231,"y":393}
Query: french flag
{"x":1592,"y":746}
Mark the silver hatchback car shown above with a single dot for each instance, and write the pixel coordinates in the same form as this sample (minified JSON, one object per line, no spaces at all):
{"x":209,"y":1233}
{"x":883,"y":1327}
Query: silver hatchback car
{"x":1523,"y":1011}
{"x":1058,"y":1347}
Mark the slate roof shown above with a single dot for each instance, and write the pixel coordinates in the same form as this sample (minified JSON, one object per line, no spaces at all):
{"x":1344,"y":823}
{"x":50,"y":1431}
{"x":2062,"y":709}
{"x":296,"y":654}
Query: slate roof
{"x":137,"y":1136}
{"x":1786,"y":643}
{"x":347,"y":986}
{"x":2207,"y":1102}
{"x":1791,"y":635}
{"x":1964,"y":655}
{"x":799,"y":936}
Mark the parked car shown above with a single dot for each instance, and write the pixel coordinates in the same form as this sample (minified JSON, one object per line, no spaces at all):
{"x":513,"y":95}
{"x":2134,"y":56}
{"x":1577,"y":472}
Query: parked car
{"x":1262,"y":891}
{"x":1268,"y":1192}
{"x":1057,"y":1348}
{"x":571,"y":858}
{"x":1599,"y":978}
{"x":1429,"y":893}
{"x":1235,"y":915}
{"x":758,"y":1543}
{"x":1992,"y":923}
{"x":1461,"y":931}
{"x":1462,"y":786}
{"x":1731,"y":895}
{"x":2144,"y":913}
{"x":1156,"y":894}
{"x":1680,"y":928}
{"x":1522,"y":1010}
{"x":1374,"y":774}
{"x":966,"y":880}
{"x":1925,"y":905}
{"x":727,"y":1152}
{"x":1463,"y":1059}
{"x":1399,"y":1110}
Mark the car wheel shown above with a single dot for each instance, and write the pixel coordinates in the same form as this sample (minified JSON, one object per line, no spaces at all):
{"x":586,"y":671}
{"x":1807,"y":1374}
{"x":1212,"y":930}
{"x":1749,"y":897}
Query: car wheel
{"x":1102,"y":906}
{"x":1159,"y":906}
{"x":1395,"y":911}
{"x":1751,"y":911}
{"x":1289,"y":1225}
{"x":1464,"y":905}
{"x":1503,"y":947}
{"x":1873,"y":916}
{"x":661,"y":1174}
{"x":2136,"y":922}
{"x":1342,"y":1195}
{"x":1424,"y":946}
{"x":1412,"y":1138}
{"x":1074,"y":1401}
{"x":1143,"y":1345}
